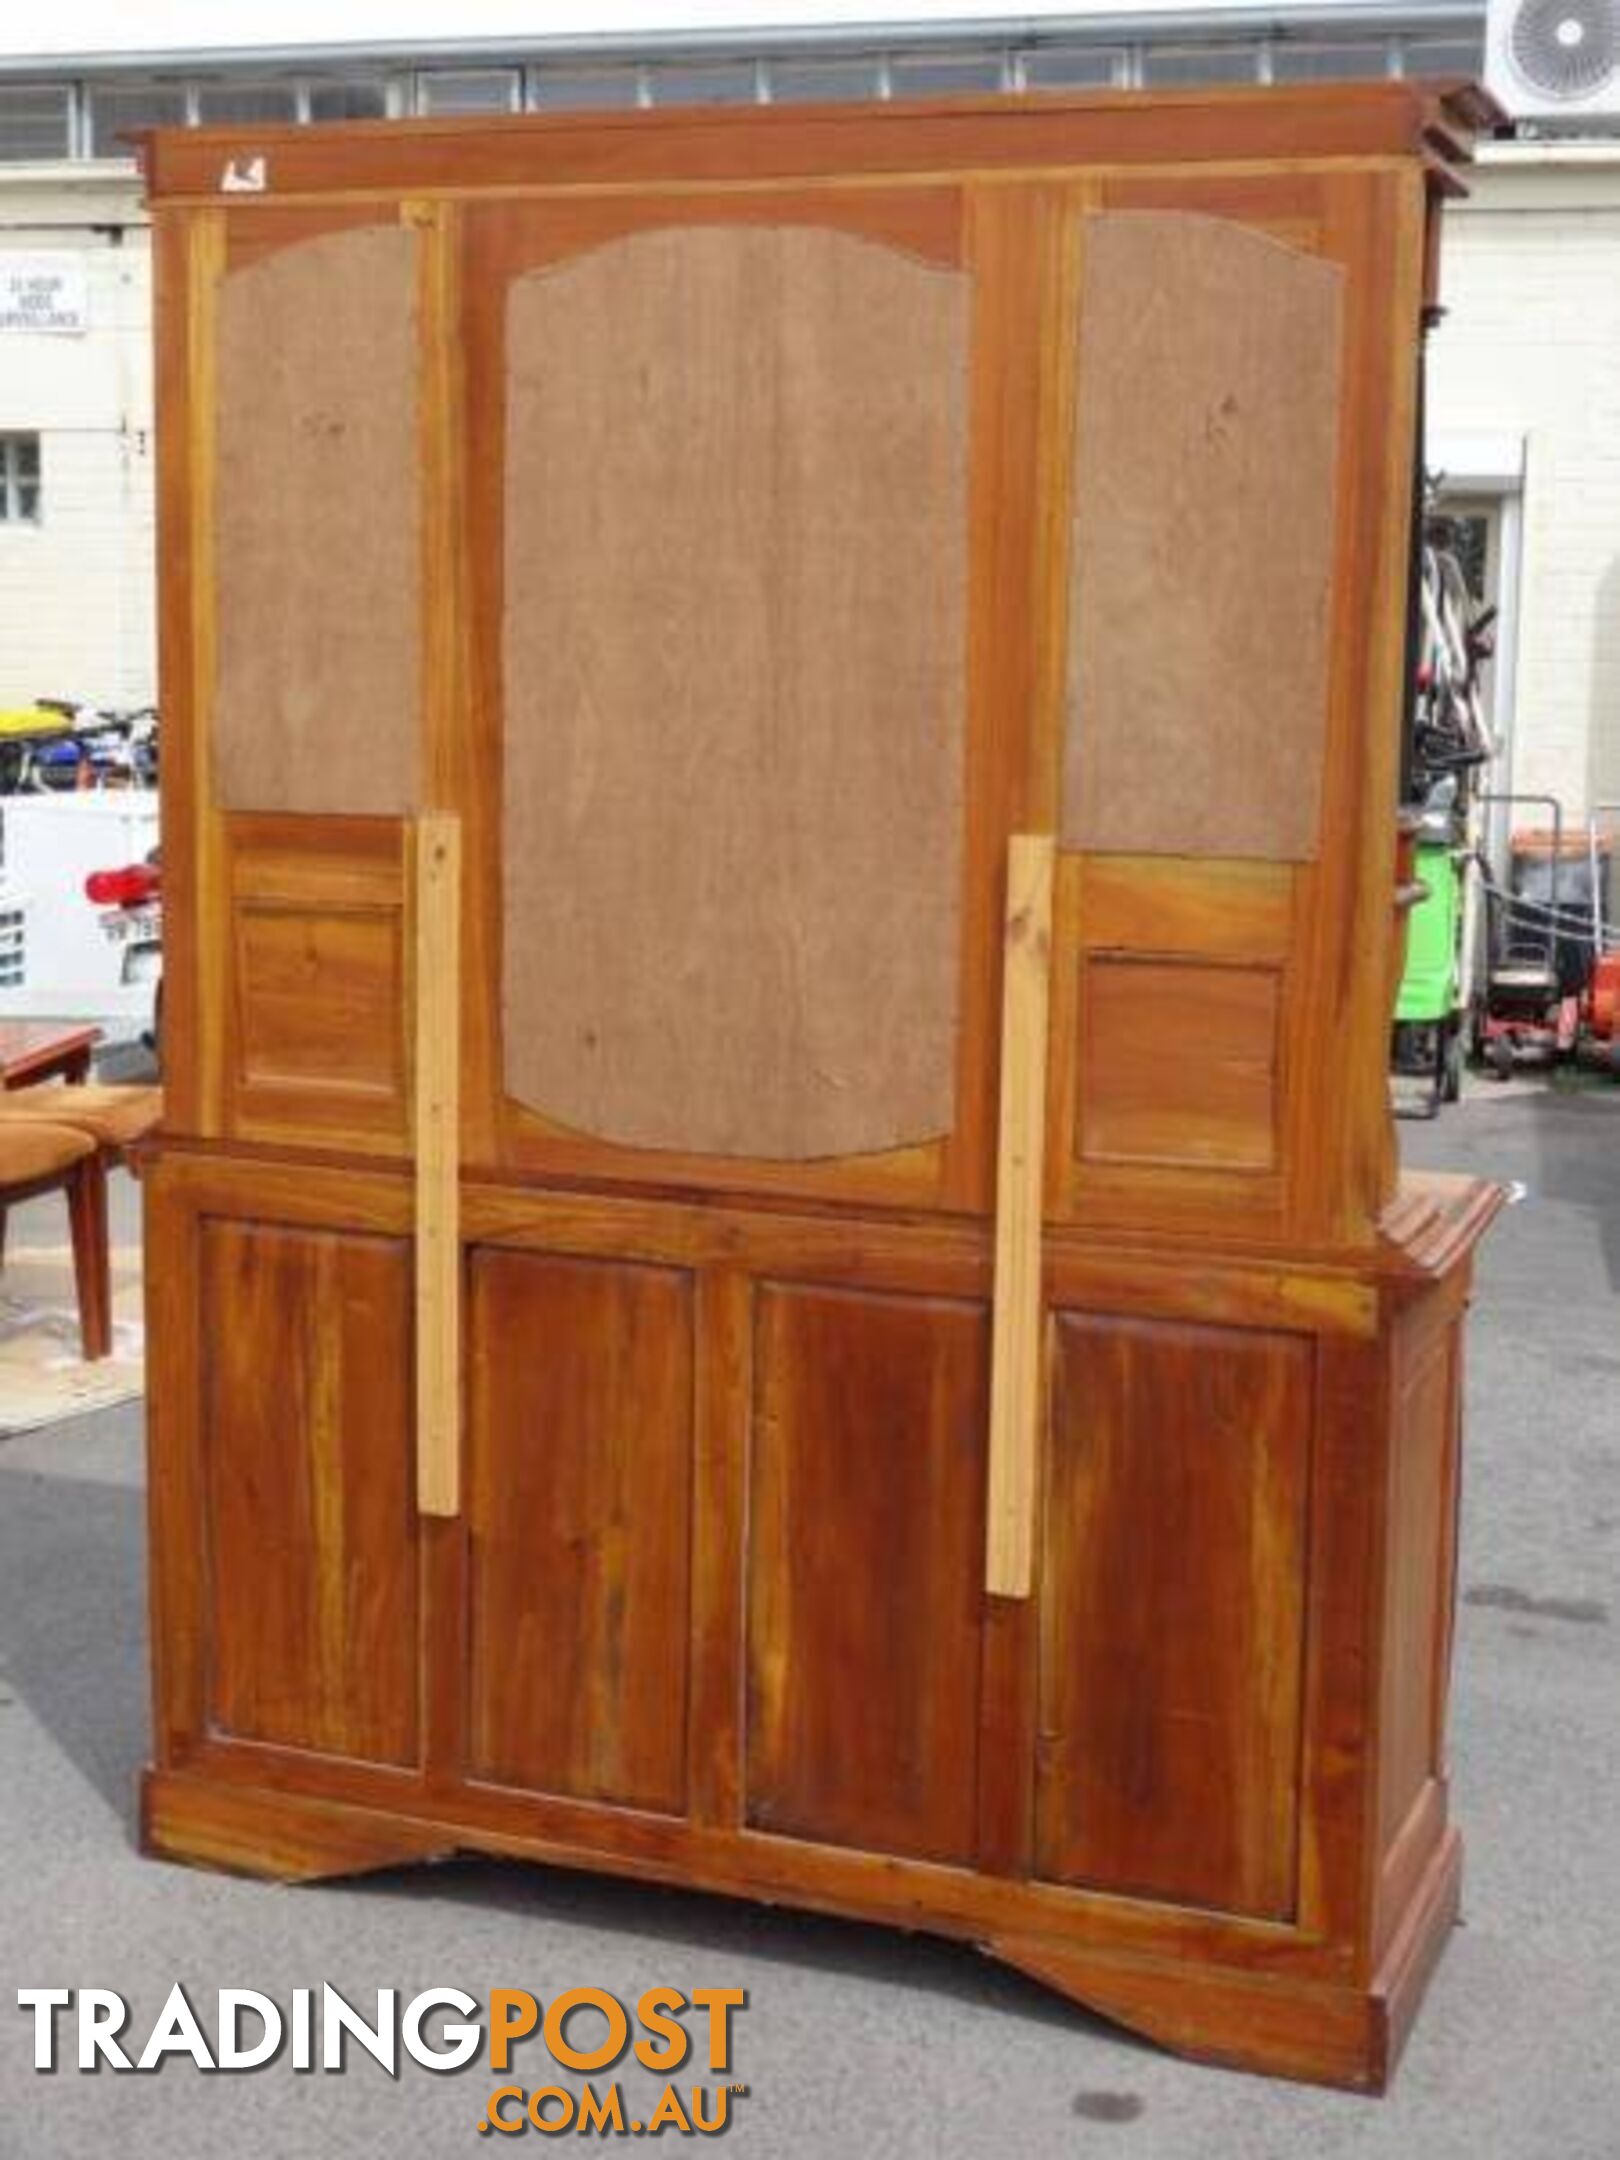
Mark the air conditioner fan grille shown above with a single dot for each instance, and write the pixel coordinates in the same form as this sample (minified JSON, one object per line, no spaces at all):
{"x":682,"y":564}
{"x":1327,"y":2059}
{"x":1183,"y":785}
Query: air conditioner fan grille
{"x":1566,"y":48}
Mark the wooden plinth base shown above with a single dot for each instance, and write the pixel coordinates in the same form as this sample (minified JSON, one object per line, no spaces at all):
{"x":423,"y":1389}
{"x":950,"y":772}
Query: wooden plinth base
{"x":1254,"y":2021}
{"x":284,"y":1837}
{"x":1276,"y":2023}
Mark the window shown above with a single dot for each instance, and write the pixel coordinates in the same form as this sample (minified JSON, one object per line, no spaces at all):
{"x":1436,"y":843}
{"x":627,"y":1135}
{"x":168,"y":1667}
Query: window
{"x":725,"y":83}
{"x":19,"y":479}
{"x":1200,"y":64}
{"x":1443,"y":56}
{"x":489,"y":90}
{"x":13,"y":945}
{"x":945,"y":74}
{"x":33,"y":121}
{"x":246,"y":104}
{"x":121,"y":109}
{"x":1074,"y":67}
{"x":818,"y":82}
{"x":560,"y":89}
{"x":1472,"y":534}
{"x":355,"y":97}
{"x":1291,"y":62}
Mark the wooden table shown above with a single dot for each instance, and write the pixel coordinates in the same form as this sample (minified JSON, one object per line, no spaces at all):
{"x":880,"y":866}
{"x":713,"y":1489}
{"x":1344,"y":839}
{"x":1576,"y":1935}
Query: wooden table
{"x":33,"y":1050}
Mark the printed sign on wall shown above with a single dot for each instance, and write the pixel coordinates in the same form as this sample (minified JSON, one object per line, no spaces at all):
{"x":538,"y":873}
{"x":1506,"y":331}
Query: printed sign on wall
{"x":49,"y":293}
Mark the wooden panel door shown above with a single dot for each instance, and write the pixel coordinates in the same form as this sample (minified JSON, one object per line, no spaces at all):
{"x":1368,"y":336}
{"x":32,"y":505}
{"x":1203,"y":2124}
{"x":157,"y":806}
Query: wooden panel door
{"x":865,"y":1569}
{"x":311,"y":1527}
{"x":1172,"y":1624}
{"x":579,"y":1448}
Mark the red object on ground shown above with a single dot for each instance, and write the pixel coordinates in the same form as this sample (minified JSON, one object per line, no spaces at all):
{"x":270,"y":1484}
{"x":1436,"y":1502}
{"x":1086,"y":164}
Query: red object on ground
{"x":1603,"y":1003}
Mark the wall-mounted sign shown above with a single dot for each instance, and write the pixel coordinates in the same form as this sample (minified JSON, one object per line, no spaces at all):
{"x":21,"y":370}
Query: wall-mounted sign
{"x":49,"y":293}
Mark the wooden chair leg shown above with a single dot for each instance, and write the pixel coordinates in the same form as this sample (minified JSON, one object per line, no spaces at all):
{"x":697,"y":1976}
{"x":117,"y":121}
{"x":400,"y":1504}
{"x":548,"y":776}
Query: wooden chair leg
{"x":92,"y":1263}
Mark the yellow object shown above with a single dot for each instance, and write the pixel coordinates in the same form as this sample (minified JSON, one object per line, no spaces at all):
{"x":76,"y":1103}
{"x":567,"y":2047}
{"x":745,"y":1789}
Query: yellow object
{"x":33,"y":720}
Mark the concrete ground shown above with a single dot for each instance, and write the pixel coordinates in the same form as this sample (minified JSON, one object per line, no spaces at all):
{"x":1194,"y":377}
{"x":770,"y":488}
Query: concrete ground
{"x":856,"y":2040}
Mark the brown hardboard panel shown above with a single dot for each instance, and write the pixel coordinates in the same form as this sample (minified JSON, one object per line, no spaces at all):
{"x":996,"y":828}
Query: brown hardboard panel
{"x":1206,"y":448}
{"x":734,"y":641}
{"x":317,"y":685}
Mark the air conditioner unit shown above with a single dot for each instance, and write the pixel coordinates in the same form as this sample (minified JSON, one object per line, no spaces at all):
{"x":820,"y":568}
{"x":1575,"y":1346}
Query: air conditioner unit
{"x":1550,"y":60}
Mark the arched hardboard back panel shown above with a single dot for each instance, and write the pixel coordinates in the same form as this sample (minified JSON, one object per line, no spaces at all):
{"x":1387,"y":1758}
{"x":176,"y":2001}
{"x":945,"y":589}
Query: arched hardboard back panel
{"x":1205,"y":491}
{"x":316,"y":528}
{"x":735,"y":566}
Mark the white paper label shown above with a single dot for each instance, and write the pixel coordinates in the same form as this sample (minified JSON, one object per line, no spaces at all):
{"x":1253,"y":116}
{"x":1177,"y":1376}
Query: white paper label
{"x":244,"y":176}
{"x":44,"y":293}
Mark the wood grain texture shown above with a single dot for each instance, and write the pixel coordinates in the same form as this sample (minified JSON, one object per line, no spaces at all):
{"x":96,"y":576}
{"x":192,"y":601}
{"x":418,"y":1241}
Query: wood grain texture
{"x":1343,"y":1134}
{"x":317,"y":695}
{"x":1418,"y":1588}
{"x":314,"y":956}
{"x":311,"y":1543}
{"x":1015,"y":1356}
{"x":1187,"y":1952}
{"x":579,"y":1515}
{"x":734,"y":654}
{"x":436,"y":1093}
{"x":1287,"y":2018}
{"x":1209,"y":908}
{"x":179,"y":264}
{"x":758,"y":1863}
{"x":1172,"y":1623}
{"x":1338,"y":1793}
{"x":319,"y":993}
{"x":1178,"y":1063}
{"x":1190,"y":126}
{"x":1205,"y":458}
{"x":723,"y":1411}
{"x":1174,"y":1014}
{"x":1327,"y":2034}
{"x":275,"y":1835}
{"x":717,"y":1615}
{"x":199,"y":853}
{"x":865,"y":1561}
{"x":176,"y":1497}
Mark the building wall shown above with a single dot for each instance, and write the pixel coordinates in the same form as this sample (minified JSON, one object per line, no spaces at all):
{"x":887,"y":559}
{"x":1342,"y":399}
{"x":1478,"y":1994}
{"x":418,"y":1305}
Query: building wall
{"x":77,"y":589}
{"x":1530,"y":346}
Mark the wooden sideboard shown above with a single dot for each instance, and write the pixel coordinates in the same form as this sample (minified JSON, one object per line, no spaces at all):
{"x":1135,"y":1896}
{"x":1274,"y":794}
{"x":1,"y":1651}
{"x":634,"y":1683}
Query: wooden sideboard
{"x":776,"y":1260}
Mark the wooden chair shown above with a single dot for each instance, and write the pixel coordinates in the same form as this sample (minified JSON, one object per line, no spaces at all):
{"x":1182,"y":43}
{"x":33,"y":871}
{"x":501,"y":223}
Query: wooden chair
{"x":115,"y":1118}
{"x":40,"y":1157}
{"x":104,"y":1123}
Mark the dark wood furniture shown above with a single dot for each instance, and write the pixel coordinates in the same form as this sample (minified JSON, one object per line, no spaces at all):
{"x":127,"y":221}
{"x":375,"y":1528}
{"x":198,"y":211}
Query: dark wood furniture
{"x":776,"y":1260}
{"x":34,"y":1050}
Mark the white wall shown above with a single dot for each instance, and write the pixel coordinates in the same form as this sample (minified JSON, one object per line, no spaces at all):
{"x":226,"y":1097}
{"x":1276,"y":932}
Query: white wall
{"x":77,"y":590}
{"x":1531,"y":347}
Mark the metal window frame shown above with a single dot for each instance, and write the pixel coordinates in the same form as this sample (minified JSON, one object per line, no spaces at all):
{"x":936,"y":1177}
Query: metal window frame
{"x":1009,"y":48}
{"x":423,"y":76}
{"x":127,"y":86}
{"x":742,"y":65}
{"x":64,"y":89}
{"x":12,"y":443}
